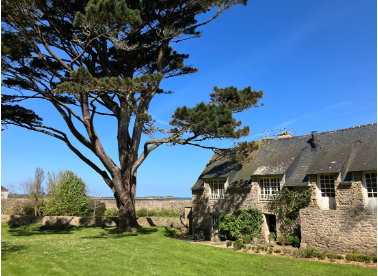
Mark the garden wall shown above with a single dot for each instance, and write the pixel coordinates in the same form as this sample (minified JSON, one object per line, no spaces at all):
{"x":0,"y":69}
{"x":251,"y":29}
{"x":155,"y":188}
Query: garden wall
{"x":174,"y":205}
{"x":339,"y":231}
{"x":178,"y":223}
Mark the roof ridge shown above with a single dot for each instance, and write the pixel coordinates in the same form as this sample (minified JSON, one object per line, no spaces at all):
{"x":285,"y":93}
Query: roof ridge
{"x":325,"y":132}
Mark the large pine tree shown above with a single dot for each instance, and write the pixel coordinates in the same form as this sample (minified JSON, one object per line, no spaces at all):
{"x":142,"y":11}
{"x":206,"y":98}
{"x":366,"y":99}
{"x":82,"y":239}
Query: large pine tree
{"x":84,"y":57}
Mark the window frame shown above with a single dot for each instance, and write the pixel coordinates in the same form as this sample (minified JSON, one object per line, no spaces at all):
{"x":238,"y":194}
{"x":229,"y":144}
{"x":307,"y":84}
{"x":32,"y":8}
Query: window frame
{"x":262,"y":188}
{"x":327,"y":190}
{"x":219,"y":191}
{"x":365,"y":182}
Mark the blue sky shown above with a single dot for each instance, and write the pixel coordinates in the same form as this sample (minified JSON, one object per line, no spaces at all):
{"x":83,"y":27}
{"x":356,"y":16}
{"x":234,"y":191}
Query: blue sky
{"x":316,"y":62}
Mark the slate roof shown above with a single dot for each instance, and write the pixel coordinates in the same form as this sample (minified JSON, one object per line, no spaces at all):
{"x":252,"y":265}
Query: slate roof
{"x":4,"y":189}
{"x":340,"y":151}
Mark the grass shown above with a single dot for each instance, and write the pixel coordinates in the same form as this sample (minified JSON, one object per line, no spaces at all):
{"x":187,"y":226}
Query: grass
{"x":103,"y":251}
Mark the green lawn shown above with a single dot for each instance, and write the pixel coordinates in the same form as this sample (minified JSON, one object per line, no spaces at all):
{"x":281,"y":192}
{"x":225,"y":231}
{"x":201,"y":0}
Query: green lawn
{"x":97,"y":251}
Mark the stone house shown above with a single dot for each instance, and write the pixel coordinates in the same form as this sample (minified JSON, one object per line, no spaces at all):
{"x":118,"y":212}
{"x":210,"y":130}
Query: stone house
{"x":4,"y":193}
{"x":339,"y":166}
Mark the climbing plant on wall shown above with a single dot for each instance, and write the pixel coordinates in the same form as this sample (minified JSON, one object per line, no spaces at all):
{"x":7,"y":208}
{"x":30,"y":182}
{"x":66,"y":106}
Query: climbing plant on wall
{"x":287,"y":205}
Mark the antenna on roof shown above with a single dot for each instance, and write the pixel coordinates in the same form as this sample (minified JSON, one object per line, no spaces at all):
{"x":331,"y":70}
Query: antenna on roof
{"x":283,"y":133}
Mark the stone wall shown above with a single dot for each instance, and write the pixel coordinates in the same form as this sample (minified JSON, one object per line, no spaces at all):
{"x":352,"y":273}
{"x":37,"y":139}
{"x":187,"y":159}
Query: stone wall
{"x":339,"y":231}
{"x":16,"y":203}
{"x":178,"y":223}
{"x":174,"y":205}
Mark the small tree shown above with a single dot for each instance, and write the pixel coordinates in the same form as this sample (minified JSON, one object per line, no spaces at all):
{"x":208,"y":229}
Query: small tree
{"x":68,"y":197}
{"x":96,"y":206}
{"x":35,"y":190}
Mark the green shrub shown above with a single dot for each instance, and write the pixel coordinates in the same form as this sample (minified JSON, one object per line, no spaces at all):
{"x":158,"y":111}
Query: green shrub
{"x":358,"y":258}
{"x":152,"y":213}
{"x":68,"y":197}
{"x":272,"y":235}
{"x":333,"y":256}
{"x":7,"y":225}
{"x":306,"y":253}
{"x":270,"y":251}
{"x":277,"y":251}
{"x":111,"y":212}
{"x":293,"y":240}
{"x":165,"y":212}
{"x":141,"y":213}
{"x":229,"y":243}
{"x":374,"y":259}
{"x":320,"y":255}
{"x":286,"y":251}
{"x":238,"y":245}
{"x":241,"y":223}
{"x":281,"y":240}
{"x":31,"y":227}
{"x":247,"y":239}
{"x":28,"y":209}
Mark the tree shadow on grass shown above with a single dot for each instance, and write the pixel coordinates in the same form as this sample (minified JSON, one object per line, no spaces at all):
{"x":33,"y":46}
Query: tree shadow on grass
{"x":43,"y":230}
{"x":114,"y":233}
{"x":7,"y":248}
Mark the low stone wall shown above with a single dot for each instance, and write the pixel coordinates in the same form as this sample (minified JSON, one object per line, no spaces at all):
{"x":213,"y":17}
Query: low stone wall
{"x":174,"y":205}
{"x":178,"y":223}
{"x":339,"y":231}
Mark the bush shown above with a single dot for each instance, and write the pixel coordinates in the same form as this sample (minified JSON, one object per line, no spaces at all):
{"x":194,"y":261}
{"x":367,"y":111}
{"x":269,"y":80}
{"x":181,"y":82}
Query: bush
{"x":358,"y":258}
{"x":229,"y":243}
{"x":111,"y":212}
{"x":238,"y":245}
{"x":293,"y":240}
{"x":68,"y":197}
{"x":277,"y":251}
{"x":281,"y":240}
{"x":374,"y":259}
{"x":241,"y":223}
{"x":306,"y":253}
{"x":31,"y":227}
{"x":320,"y":255}
{"x":333,"y":256}
{"x":270,"y":251}
{"x":141,"y":213}
{"x":247,"y":239}
{"x":286,"y":251}
{"x":7,"y":225}
{"x":28,"y":209}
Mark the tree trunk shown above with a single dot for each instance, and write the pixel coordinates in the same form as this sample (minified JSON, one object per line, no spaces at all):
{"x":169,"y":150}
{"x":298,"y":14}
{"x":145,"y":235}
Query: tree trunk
{"x":126,"y":205}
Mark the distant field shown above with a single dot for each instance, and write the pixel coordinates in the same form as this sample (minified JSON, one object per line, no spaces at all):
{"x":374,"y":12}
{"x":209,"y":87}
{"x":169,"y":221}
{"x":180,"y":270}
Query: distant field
{"x":97,"y":251}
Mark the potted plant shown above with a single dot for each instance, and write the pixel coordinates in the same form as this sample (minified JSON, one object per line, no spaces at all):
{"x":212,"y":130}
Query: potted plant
{"x":254,"y":235}
{"x":272,"y":236}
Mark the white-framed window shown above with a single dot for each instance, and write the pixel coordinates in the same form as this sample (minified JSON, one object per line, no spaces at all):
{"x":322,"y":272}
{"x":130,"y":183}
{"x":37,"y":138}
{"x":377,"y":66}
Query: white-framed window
{"x":371,"y":184}
{"x":214,"y":218}
{"x":217,"y":188}
{"x":269,"y":187}
{"x":327,"y":185}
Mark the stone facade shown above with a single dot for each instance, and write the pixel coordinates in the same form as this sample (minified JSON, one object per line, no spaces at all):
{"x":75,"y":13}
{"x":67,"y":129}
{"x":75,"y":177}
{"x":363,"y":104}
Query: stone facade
{"x":339,"y":231}
{"x":204,"y":207}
